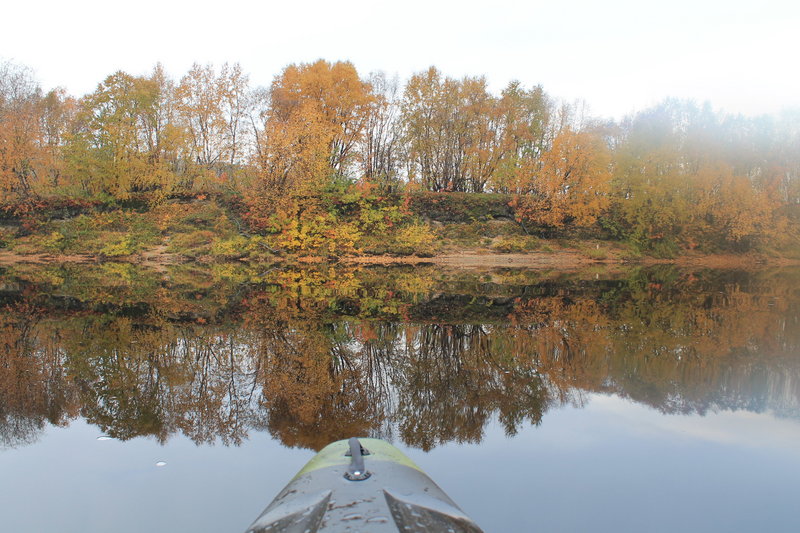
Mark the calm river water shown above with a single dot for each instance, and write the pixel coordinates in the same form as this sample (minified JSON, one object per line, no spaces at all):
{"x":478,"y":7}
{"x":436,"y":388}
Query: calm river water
{"x":183,"y":400}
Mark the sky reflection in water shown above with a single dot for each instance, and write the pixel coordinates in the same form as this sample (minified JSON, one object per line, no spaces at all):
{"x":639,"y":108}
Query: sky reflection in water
{"x":610,"y":466}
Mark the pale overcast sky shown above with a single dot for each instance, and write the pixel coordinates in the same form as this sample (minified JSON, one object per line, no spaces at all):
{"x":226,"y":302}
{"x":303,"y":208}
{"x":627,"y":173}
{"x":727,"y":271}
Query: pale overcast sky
{"x":617,"y":55}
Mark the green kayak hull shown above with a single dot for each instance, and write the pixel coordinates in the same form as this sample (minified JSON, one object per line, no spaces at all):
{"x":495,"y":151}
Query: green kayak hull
{"x":379,"y":490}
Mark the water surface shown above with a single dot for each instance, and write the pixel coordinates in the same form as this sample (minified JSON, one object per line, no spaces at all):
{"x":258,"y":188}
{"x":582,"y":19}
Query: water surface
{"x":649,"y":399}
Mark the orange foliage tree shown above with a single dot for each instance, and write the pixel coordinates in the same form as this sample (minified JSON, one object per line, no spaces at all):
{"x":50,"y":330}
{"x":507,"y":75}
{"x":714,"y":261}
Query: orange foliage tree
{"x":526,"y":116}
{"x":571,"y":185}
{"x":329,"y":99}
{"x":316,"y":118}
{"x":32,"y":128}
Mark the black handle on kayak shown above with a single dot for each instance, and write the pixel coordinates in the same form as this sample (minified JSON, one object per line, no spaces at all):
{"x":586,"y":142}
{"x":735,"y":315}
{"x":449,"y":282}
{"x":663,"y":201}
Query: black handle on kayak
{"x":356,"y":471}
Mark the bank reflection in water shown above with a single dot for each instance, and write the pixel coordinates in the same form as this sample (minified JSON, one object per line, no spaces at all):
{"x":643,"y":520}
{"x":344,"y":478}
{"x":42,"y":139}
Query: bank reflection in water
{"x":313,"y":357}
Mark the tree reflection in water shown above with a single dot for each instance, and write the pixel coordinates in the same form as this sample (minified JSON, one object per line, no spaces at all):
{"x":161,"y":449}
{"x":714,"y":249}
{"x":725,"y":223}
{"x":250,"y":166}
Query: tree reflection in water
{"x":315,"y":356}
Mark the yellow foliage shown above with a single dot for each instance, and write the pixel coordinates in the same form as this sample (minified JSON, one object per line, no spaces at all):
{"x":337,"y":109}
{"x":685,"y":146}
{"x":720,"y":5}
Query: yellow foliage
{"x":124,"y":246}
{"x":734,"y":207}
{"x":318,"y":233}
{"x":53,"y":242}
{"x":233,"y":248}
{"x":514,"y":243}
{"x":573,"y":184}
{"x":417,"y":239}
{"x":317,"y":115}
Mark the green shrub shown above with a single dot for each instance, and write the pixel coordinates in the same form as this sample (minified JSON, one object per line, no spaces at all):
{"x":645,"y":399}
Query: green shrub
{"x":121,"y":247}
{"x":507,"y":244}
{"x":664,"y":249}
{"x":234,"y":248}
{"x":416,"y":239}
{"x":6,"y":237}
{"x":598,"y":254}
{"x":54,"y":242}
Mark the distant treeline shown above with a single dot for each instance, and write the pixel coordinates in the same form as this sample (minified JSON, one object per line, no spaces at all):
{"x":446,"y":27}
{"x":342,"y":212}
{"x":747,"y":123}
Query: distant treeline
{"x":677,"y":174}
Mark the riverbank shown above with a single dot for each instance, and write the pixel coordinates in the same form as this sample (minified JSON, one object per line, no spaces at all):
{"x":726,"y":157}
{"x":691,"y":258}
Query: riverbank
{"x":565,"y":259}
{"x":454,"y":231}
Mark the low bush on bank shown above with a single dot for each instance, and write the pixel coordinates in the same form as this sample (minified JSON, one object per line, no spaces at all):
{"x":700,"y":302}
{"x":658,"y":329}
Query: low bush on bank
{"x":508,"y":244}
{"x":343,"y":220}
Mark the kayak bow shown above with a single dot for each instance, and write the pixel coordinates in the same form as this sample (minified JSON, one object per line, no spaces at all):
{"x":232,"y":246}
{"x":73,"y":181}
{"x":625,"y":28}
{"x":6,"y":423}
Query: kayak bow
{"x":362,"y":485}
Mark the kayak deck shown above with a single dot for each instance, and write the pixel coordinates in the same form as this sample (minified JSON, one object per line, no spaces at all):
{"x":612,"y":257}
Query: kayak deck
{"x":362,"y":485}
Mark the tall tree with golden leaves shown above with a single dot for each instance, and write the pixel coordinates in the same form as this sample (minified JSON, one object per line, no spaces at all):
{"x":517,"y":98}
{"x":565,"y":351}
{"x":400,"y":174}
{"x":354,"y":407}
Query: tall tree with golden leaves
{"x":315,"y":118}
{"x":337,"y":99}
{"x":526,"y":117}
{"x":572,"y":185}
{"x":434,"y":136}
{"x":121,"y":143}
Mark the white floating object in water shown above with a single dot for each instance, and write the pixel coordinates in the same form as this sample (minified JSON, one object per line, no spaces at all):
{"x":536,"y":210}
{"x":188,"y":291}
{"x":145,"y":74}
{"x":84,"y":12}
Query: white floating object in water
{"x":161,"y":463}
{"x":105,"y":437}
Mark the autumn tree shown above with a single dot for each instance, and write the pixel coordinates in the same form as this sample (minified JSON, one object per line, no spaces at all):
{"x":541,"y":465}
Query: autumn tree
{"x":165,"y":138}
{"x":572,"y":184}
{"x":380,"y":149}
{"x":311,"y":128}
{"x":214,"y":106}
{"x":124,"y":140}
{"x":651,"y":200}
{"x":293,"y":152}
{"x":485,"y":142}
{"x":56,"y":117}
{"x":687,"y":176}
{"x":460,"y":137}
{"x":32,"y":125}
{"x":434,"y":135}
{"x":331,"y":97}
{"x":19,"y":96}
{"x":526,"y":116}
